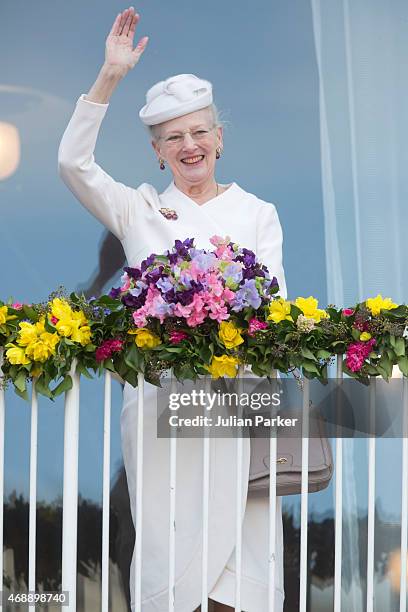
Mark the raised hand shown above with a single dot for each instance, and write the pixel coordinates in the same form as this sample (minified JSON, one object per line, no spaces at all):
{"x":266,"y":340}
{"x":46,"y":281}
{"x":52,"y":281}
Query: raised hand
{"x":119,"y":51}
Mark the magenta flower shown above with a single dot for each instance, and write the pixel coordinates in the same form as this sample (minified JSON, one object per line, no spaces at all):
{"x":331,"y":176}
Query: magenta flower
{"x":177,"y":336}
{"x":255,"y":325}
{"x":17,"y":305}
{"x":107,"y":348}
{"x":347,"y":312}
{"x":357,"y":353}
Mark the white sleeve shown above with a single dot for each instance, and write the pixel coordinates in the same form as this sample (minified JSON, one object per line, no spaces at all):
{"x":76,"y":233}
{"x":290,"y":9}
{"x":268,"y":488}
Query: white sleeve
{"x":109,"y":201}
{"x":269,"y":244}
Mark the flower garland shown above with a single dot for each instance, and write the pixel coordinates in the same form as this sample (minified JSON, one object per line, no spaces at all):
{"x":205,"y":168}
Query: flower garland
{"x":198,"y":312}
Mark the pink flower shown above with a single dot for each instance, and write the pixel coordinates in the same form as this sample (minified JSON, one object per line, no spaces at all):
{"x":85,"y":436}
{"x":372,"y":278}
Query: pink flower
{"x":54,"y":320}
{"x":357,"y":353}
{"x":177,"y":336}
{"x":107,"y":348}
{"x":125,"y":278}
{"x":255,"y":325}
{"x":347,"y":312}
{"x":17,"y":305}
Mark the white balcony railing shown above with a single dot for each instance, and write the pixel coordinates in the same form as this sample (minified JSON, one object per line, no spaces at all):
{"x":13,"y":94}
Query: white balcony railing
{"x":70,"y":500}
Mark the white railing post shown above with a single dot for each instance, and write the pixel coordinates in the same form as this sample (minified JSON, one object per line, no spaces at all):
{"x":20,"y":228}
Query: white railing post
{"x":172,"y":514}
{"x":338,"y":514}
{"x":238,"y":524}
{"x":106,"y":489}
{"x":2,"y":421}
{"x":404,"y":498}
{"x":371,"y":499}
{"x":32,"y":530}
{"x":139,"y":493}
{"x":272,"y":515}
{"x":70,"y":490}
{"x":206,"y":492}
{"x":304,"y":497}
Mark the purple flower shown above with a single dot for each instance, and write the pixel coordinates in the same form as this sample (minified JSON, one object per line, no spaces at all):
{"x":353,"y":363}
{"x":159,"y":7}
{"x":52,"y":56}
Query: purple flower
{"x":114,"y":292}
{"x":147,"y":262}
{"x":133,"y":301}
{"x":247,"y":257}
{"x":134,"y":273}
{"x":247,"y":295}
{"x":154,"y":275}
{"x":181,"y":248}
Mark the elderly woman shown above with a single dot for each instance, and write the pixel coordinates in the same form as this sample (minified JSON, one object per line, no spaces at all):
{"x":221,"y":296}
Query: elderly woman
{"x":187,"y":138}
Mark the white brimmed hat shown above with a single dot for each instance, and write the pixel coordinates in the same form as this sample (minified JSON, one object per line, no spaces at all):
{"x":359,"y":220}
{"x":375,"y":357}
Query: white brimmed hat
{"x":174,"y":97}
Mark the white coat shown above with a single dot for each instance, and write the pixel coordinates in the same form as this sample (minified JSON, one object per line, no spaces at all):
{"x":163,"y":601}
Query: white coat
{"x":133,"y":216}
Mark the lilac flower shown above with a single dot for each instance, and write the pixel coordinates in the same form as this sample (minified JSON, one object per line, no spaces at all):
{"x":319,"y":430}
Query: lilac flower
{"x":138,"y":288}
{"x":233,"y":272}
{"x":204,"y":261}
{"x":247,"y":295}
{"x":164,"y":284}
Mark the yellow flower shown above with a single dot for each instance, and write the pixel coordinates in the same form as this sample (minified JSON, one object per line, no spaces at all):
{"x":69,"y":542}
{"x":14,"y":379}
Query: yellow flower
{"x":364,"y":336}
{"x":28,"y":333}
{"x":71,"y":324}
{"x":82,"y":335}
{"x":145,"y":338}
{"x":61,"y":309}
{"x":225,"y":365}
{"x":16,"y":355}
{"x":279,"y":310}
{"x":379,"y":303}
{"x":4,"y":317}
{"x":230,"y":335}
{"x":309,"y":308}
{"x":44,"y":347}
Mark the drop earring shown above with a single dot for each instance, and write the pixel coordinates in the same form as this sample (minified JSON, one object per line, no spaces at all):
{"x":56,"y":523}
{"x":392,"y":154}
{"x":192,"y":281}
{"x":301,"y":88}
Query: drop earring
{"x":218,"y":152}
{"x":161,"y":161}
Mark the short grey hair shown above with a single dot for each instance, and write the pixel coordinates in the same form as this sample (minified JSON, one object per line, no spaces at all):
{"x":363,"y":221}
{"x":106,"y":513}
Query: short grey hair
{"x":154,"y":130}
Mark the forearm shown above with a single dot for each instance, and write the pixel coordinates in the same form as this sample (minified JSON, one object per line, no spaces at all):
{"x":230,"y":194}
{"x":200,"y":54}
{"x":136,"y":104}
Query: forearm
{"x":105,"y":84}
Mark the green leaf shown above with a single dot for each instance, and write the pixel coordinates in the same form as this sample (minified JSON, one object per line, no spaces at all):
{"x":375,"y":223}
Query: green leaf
{"x":30,"y":313}
{"x":20,"y":381}
{"x":322,"y":354}
{"x":355,"y":333}
{"x":42,"y":387}
{"x":133,"y":359}
{"x":65,"y":385}
{"x":81,"y":369}
{"x":403,"y":365}
{"x":307,"y":353}
{"x":309,"y":366}
{"x":385,"y":364}
{"x":399,"y":347}
{"x":22,"y":394}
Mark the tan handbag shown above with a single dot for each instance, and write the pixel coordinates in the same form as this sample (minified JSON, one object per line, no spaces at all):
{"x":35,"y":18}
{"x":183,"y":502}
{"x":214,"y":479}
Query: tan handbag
{"x":289,"y":461}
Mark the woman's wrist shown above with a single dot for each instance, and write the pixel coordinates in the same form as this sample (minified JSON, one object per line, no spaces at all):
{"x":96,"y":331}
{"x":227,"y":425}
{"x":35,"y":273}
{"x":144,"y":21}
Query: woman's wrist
{"x":105,"y":84}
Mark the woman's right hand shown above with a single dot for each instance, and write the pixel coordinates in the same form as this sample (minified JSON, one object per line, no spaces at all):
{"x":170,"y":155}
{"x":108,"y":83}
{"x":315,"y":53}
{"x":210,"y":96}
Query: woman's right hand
{"x":119,"y":52}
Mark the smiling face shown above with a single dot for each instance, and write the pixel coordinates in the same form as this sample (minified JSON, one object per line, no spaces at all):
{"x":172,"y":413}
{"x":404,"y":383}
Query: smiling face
{"x":190,"y":156}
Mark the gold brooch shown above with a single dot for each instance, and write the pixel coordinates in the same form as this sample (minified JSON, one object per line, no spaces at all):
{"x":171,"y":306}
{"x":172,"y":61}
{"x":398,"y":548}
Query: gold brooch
{"x":169,"y":213}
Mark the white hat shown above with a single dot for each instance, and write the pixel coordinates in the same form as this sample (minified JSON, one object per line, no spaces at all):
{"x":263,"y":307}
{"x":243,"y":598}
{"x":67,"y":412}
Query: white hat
{"x":174,"y":97}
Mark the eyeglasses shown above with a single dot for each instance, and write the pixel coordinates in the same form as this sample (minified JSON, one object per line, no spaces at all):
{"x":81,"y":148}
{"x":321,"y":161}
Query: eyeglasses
{"x":196,"y":135}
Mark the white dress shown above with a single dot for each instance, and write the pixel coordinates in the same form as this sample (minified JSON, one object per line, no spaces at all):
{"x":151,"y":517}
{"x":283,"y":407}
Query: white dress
{"x":133,"y":216}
